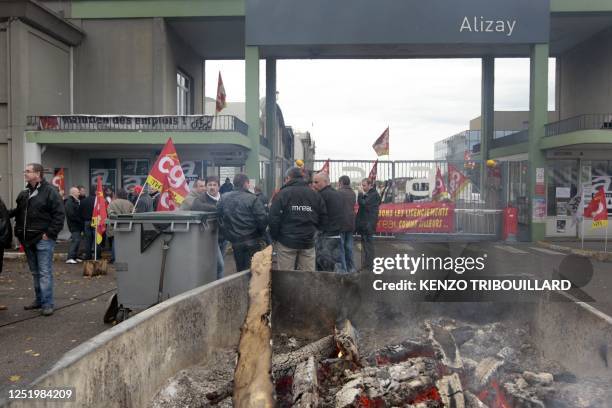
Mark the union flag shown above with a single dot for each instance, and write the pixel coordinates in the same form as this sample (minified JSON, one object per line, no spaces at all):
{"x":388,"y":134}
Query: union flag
{"x":221,"y":103}
{"x":98,"y":217}
{"x":325,"y":168}
{"x":166,"y":200}
{"x":439,"y":192}
{"x":373,"y":172}
{"x":167,"y":171}
{"x":598,"y":210}
{"x":381,"y":145}
{"x":456,"y":181}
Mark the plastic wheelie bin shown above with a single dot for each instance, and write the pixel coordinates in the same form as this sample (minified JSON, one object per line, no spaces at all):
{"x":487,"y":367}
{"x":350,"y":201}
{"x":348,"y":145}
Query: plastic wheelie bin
{"x":159,"y":255}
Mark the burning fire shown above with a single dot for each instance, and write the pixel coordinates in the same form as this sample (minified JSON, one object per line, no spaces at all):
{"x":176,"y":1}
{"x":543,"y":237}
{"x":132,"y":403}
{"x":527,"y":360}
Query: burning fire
{"x":340,"y":354}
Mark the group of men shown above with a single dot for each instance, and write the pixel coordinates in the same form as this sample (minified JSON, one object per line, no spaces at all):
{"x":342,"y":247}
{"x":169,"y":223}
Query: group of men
{"x":311,"y":224}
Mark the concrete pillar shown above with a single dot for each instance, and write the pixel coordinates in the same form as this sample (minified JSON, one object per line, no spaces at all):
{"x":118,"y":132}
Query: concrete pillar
{"x":251,"y":70}
{"x":538,"y":116}
{"x":271,"y":125}
{"x":487,"y":106}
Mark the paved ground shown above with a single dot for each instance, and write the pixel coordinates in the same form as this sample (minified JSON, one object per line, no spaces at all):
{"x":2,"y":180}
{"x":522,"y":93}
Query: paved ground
{"x":31,"y":344}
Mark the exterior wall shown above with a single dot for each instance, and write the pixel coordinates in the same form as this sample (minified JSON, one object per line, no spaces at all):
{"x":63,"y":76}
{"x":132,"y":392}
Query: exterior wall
{"x":179,"y":55}
{"x":510,"y":120}
{"x":35,"y":78}
{"x":114,"y":68}
{"x":585,"y":77}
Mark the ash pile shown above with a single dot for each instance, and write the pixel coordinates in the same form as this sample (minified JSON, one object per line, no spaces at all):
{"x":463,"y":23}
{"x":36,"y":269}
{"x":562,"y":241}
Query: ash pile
{"x":451,"y":365}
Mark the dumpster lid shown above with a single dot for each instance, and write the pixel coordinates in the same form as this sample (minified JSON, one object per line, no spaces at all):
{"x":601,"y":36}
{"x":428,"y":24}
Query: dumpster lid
{"x":168,"y":216}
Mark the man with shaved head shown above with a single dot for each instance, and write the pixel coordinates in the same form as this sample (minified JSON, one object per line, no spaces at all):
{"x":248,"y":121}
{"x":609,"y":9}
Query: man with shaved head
{"x":75,"y":224}
{"x":329,"y":245}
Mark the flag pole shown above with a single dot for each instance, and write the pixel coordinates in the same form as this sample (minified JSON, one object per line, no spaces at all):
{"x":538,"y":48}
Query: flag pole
{"x":582,"y":226}
{"x":606,"y":240}
{"x":139,"y":194}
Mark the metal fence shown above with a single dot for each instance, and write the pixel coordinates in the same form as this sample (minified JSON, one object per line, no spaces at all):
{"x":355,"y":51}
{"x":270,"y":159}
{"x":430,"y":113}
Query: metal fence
{"x":580,"y":122}
{"x":482,"y":192}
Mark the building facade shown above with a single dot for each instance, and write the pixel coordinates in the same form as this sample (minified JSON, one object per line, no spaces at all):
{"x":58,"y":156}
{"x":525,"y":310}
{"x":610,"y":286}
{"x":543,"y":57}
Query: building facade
{"x":147,"y":58}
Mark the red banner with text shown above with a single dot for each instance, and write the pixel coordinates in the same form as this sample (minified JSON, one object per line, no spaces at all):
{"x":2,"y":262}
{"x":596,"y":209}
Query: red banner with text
{"x":430,"y":217}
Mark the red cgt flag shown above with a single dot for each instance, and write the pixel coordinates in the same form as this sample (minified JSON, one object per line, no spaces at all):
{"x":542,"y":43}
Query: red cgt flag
{"x":58,"y":181}
{"x":98,"y":217}
{"x":597,"y":209}
{"x":166,"y":200}
{"x":167,"y":171}
{"x":373,"y":172}
{"x":439,"y":192}
{"x":325,"y":168}
{"x":456,"y":181}
{"x":381,"y":145}
{"x":221,"y":103}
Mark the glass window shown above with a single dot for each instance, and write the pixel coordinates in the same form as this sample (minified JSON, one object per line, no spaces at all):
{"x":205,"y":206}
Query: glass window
{"x":183,"y":94}
{"x":107,"y":169}
{"x":562,"y":181}
{"x":133,"y":172}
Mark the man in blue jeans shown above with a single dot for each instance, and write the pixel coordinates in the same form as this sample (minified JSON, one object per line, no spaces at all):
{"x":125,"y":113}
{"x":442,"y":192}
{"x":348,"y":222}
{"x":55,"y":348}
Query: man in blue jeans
{"x":39,"y":218}
{"x":347,"y":227}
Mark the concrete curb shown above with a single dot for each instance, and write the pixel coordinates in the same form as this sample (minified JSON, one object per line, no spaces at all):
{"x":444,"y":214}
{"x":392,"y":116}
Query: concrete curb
{"x":596,"y":255}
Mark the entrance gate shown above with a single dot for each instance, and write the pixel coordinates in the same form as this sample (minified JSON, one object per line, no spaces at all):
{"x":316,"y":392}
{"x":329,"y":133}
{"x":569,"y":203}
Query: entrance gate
{"x":466,"y":205}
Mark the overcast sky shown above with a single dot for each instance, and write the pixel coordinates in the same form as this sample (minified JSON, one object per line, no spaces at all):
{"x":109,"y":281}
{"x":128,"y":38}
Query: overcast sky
{"x":347,"y":104}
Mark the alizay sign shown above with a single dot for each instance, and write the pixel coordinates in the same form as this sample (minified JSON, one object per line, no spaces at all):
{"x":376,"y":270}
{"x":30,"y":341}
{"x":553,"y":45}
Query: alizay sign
{"x":389,"y":22}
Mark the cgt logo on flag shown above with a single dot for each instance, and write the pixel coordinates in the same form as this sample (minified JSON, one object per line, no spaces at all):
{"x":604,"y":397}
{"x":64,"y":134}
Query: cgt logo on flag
{"x":598,"y":210}
{"x":167,"y":171}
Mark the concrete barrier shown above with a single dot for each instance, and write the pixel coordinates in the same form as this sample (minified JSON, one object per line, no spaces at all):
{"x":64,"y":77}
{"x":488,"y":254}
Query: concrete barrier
{"x":126,"y":365}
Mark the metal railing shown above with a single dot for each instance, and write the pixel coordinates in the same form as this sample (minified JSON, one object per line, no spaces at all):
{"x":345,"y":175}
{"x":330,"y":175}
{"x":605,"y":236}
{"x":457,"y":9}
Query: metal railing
{"x":480,"y":196}
{"x":175,"y":123}
{"x":580,"y":122}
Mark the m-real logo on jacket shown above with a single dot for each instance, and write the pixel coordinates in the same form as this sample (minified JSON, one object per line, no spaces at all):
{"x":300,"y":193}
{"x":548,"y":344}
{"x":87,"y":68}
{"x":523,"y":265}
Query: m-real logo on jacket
{"x":301,"y":208}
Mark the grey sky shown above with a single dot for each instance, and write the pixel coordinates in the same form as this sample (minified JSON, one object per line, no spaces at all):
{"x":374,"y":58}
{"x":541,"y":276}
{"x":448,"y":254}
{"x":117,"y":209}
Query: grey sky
{"x":347,"y":104}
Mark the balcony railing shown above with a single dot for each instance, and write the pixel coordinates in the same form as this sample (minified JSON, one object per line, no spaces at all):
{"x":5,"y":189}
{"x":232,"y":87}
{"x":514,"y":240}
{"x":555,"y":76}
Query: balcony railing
{"x":580,"y":122}
{"x":95,"y":123}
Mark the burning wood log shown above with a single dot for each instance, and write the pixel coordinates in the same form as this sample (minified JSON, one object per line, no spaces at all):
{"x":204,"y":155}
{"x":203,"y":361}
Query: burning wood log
{"x":443,"y":340}
{"x":252,"y":378}
{"x":346,"y":341}
{"x":319,"y":349}
{"x":283,"y":363}
{"x":472,"y":401}
{"x":485,"y":371}
{"x":397,"y":353}
{"x":305,"y":385}
{"x":451,"y":391}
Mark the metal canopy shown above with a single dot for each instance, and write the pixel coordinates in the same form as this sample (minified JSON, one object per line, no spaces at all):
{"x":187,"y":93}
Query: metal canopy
{"x":224,"y":38}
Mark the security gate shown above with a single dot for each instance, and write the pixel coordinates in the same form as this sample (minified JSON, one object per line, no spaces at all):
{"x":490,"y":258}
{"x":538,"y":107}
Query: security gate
{"x":470,"y":195}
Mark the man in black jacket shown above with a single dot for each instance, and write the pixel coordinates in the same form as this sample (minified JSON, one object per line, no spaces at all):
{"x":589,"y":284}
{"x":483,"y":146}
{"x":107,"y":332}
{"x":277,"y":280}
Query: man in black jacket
{"x":367,"y":218}
{"x":347,"y":226}
{"x":75,"y":224}
{"x":86,"y":208}
{"x":295,"y":215}
{"x":39,"y":218}
{"x":6,"y":232}
{"x":329,"y":245}
{"x":244,"y":221}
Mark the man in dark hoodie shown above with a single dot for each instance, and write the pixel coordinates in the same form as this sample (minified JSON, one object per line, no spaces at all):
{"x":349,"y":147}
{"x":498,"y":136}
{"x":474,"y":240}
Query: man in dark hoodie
{"x":39,"y":218}
{"x":295,"y":215}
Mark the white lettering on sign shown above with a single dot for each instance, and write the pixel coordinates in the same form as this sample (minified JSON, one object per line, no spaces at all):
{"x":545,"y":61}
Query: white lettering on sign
{"x":306,"y":208}
{"x":481,"y":25}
